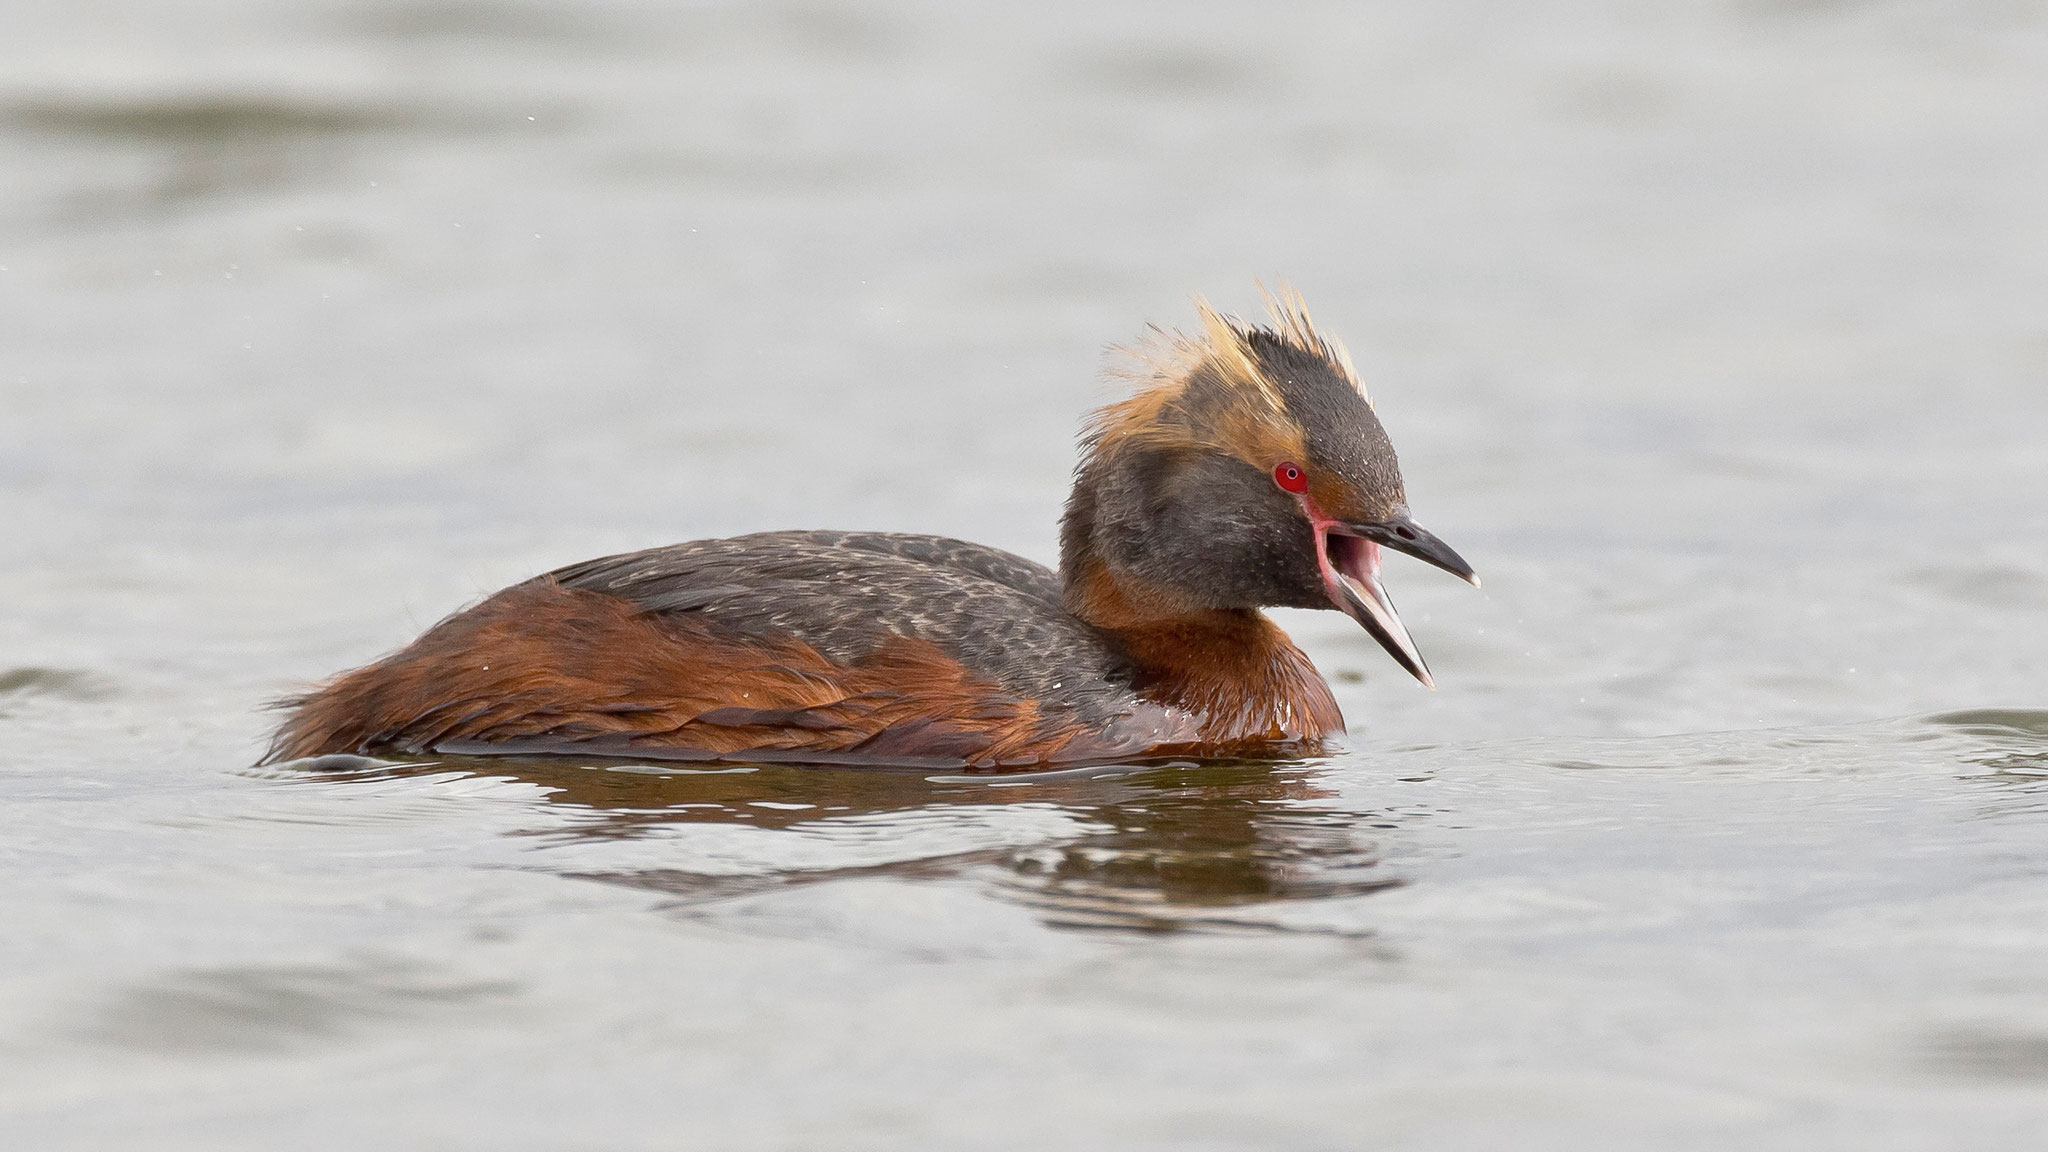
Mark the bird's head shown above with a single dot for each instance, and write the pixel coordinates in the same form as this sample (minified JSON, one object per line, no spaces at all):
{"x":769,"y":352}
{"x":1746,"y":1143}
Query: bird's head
{"x":1248,"y":470}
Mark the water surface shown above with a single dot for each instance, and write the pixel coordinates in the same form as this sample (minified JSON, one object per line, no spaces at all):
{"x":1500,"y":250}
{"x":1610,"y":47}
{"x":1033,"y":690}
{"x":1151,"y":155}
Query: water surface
{"x":1714,"y":338}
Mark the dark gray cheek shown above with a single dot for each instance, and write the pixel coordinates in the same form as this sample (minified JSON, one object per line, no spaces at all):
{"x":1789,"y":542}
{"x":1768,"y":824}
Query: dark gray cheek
{"x":1248,"y":561}
{"x":1213,"y":529}
{"x":1285,"y":567}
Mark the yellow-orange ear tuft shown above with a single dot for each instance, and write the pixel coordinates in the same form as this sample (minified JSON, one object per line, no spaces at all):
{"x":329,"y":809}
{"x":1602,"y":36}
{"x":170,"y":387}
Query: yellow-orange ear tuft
{"x":1233,"y":407}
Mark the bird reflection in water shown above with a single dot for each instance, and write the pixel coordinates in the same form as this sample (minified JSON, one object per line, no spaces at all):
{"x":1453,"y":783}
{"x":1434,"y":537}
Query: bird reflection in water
{"x":1164,"y":848}
{"x":2007,"y":753}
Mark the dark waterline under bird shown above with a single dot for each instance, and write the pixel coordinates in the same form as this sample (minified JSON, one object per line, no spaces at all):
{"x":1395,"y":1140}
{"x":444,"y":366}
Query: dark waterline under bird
{"x":1247,"y":470}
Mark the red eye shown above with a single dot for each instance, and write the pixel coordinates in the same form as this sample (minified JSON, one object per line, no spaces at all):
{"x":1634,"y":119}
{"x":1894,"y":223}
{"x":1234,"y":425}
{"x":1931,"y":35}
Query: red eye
{"x":1287,"y":476}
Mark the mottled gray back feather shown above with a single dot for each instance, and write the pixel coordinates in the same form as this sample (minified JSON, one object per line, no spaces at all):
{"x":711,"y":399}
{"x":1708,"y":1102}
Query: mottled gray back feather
{"x":844,"y":592}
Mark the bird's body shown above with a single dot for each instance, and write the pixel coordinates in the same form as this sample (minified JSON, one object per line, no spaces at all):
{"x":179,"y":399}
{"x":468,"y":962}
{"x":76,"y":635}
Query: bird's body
{"x":822,"y":647}
{"x":896,"y":649}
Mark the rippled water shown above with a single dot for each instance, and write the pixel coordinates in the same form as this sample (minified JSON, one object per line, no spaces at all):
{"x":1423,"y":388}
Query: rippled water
{"x":1713,"y":337}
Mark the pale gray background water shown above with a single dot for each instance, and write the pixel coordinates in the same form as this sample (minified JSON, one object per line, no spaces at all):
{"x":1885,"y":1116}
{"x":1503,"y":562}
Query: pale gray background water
{"x":1716,"y":335}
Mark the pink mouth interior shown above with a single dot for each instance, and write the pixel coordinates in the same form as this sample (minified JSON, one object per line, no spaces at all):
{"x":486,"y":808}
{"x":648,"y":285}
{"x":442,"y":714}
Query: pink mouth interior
{"x":1352,"y":556}
{"x":1354,"y":562}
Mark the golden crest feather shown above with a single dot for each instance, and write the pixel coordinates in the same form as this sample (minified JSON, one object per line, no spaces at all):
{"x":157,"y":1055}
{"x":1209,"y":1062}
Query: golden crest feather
{"x":1165,"y":362}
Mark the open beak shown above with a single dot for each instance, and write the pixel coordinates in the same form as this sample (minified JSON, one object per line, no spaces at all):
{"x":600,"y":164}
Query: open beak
{"x":1404,"y":535}
{"x":1350,"y":558}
